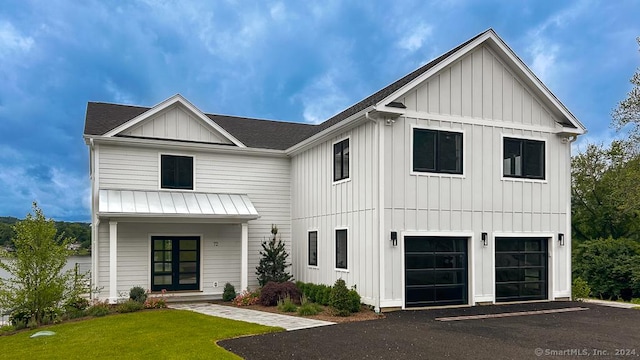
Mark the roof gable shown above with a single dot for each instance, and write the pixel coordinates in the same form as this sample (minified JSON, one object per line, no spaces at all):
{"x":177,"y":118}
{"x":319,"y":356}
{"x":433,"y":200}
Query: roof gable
{"x":520,"y":70}
{"x":190,"y":116}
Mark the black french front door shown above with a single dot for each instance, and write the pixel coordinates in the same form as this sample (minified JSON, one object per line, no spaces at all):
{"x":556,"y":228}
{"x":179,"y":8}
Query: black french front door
{"x":175,"y":263}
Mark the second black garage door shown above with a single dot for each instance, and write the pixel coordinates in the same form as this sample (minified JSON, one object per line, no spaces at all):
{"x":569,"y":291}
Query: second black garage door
{"x":435,"y":271}
{"x":521,"y":269}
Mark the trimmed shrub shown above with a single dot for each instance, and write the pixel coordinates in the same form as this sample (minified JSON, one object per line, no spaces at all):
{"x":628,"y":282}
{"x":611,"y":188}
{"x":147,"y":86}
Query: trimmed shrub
{"x":138,"y":294}
{"x":317,"y":293}
{"x":246,"y":298}
{"x":76,"y":303}
{"x":354,"y":301}
{"x":229,"y":292}
{"x":286,"y":305}
{"x":580,"y":289}
{"x":272,"y":292}
{"x":129,"y":306}
{"x":340,"y":301}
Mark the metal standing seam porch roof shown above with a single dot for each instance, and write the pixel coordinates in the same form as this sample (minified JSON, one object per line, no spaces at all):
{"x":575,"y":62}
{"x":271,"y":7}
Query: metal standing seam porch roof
{"x":135,"y":203}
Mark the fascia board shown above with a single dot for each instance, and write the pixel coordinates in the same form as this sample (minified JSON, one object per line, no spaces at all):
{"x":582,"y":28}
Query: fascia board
{"x":184,"y":146}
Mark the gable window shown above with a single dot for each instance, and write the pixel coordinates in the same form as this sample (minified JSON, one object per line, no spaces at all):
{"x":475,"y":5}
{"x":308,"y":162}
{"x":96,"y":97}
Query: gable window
{"x":341,"y":160}
{"x":437,"y":151}
{"x":176,"y":172}
{"x":523,"y":158}
{"x":313,"y":248}
{"x":341,"y":249}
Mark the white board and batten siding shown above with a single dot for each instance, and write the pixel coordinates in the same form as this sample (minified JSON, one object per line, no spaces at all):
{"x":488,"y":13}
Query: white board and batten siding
{"x":479,"y":96}
{"x":176,"y":123}
{"x":321,"y":205}
{"x":264,"y":179}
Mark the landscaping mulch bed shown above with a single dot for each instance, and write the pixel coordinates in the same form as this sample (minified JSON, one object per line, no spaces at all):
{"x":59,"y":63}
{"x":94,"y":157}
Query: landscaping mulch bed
{"x":364,"y":314}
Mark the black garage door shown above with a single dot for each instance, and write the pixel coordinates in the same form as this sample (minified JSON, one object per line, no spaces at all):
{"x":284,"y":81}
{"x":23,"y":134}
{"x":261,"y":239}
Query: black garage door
{"x":521,"y":269}
{"x":435,"y":271}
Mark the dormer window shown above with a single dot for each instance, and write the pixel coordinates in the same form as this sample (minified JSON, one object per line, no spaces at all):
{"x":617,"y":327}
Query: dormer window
{"x":176,"y":172}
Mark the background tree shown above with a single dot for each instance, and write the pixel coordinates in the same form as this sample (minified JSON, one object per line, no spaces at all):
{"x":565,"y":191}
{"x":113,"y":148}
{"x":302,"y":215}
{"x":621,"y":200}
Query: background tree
{"x":38,"y":283}
{"x":605,"y":192}
{"x":273,"y":264}
{"x":627,"y":112}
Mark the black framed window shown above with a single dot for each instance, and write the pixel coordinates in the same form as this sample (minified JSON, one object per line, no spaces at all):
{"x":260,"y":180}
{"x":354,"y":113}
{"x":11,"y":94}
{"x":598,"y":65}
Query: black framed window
{"x":313,"y":248}
{"x":341,"y":160}
{"x":437,"y":151}
{"x":523,"y":158}
{"x":176,"y":172}
{"x":341,"y":249}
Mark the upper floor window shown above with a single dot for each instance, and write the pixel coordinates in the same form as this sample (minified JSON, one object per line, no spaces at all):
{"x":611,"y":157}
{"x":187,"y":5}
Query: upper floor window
{"x":176,"y":172}
{"x":523,"y":158}
{"x":313,"y":248}
{"x":437,"y":151}
{"x":341,"y":160}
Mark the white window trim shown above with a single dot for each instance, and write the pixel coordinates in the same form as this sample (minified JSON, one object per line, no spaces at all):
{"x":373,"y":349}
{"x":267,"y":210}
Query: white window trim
{"x":150,"y":254}
{"x":333,"y":169}
{"x":160,"y":170}
{"x":317,"y":249}
{"x":524,"y":179}
{"x":437,"y":174}
{"x":335,"y":250}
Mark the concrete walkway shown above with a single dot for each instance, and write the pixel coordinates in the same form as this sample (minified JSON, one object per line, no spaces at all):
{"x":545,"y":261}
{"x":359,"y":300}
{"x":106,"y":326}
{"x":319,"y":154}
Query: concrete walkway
{"x":258,"y":317}
{"x":616,"y":304}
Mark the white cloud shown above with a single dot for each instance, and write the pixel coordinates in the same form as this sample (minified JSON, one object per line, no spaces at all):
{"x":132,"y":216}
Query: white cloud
{"x":118,"y":95}
{"x":544,"y":47}
{"x":278,"y":11}
{"x":322,"y":98}
{"x":415,"y":38}
{"x":12,"y":42}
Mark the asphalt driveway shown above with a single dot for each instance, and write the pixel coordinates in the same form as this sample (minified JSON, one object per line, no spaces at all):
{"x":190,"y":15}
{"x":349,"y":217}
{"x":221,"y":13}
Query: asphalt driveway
{"x":599,"y":332}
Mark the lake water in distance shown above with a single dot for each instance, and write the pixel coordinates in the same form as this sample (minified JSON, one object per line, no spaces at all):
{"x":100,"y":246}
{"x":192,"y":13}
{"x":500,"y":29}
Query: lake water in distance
{"x":83,"y":263}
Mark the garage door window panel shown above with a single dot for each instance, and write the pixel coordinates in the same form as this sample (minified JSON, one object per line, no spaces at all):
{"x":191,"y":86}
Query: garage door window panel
{"x":521,"y":269}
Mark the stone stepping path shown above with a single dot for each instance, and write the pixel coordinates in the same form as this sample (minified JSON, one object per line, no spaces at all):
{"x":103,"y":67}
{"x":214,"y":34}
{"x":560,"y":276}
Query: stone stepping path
{"x":253,"y":316}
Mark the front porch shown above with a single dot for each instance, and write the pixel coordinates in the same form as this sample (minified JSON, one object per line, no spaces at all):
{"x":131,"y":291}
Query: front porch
{"x":190,"y":254}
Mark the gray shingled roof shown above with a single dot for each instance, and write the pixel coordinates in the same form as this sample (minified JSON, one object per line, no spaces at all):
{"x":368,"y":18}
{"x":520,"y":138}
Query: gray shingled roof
{"x":265,"y":134}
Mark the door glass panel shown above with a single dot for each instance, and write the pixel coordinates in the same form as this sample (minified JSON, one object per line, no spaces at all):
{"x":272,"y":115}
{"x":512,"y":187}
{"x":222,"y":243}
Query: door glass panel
{"x":188,"y":255}
{"x":415,"y":261}
{"x":188,"y":244}
{"x":188,"y":267}
{"x":162,"y":280}
{"x":187,"y":279}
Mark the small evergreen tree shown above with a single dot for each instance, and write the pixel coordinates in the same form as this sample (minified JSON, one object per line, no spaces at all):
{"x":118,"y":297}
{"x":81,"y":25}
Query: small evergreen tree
{"x":37,"y":282}
{"x":273,"y":264}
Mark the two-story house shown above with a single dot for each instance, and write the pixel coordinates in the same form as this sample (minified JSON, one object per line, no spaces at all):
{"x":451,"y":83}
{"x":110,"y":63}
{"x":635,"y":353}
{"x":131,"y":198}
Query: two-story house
{"x":449,"y":186}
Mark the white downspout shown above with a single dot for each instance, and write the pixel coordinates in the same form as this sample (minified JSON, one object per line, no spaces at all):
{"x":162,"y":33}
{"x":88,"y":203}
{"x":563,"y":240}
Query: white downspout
{"x":567,"y":237}
{"x":381,"y":234}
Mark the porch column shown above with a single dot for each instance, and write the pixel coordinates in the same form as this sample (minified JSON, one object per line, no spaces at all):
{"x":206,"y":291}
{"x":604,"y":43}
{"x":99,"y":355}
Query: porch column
{"x":244,"y":257}
{"x":113,"y":262}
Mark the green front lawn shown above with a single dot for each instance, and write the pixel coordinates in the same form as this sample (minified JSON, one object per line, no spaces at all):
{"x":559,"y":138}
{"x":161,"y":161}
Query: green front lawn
{"x":157,"y":334}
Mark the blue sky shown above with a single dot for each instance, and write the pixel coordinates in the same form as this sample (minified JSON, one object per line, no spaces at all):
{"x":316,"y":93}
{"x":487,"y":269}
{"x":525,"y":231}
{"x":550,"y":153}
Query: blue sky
{"x":297,"y":61}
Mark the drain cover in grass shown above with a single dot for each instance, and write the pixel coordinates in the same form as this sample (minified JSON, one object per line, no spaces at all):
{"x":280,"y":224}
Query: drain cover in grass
{"x":42,"y":333}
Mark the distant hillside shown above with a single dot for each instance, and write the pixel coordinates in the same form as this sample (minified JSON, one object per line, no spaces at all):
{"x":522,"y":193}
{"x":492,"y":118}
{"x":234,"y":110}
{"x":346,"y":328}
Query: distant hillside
{"x":78,"y":230}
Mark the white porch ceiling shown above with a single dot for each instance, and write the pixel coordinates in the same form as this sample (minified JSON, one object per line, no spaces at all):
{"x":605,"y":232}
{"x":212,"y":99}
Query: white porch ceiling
{"x":134,"y":203}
